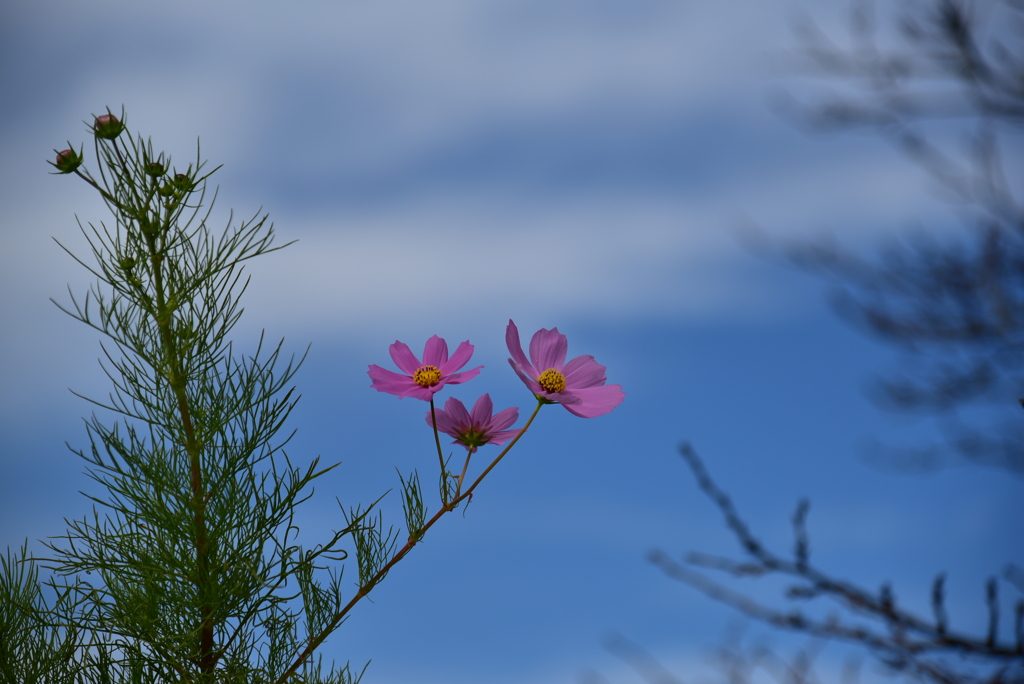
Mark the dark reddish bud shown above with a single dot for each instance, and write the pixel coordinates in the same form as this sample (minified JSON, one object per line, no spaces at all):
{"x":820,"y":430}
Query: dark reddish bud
{"x":107,"y":126}
{"x":155,"y":169}
{"x":182,"y":182}
{"x":67,"y":161}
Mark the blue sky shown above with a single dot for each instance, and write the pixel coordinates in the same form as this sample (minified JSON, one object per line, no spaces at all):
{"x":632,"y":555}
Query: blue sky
{"x":447,"y":166}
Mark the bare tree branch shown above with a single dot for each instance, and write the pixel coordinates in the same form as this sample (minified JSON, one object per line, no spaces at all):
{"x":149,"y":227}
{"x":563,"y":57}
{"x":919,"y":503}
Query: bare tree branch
{"x":903,"y":641}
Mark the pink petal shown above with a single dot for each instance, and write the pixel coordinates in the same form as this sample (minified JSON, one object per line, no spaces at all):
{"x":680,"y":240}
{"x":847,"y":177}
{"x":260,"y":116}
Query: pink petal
{"x":548,"y":349}
{"x":527,"y":380}
{"x":389,"y":381}
{"x":435,"y":352}
{"x":516,"y":350}
{"x":583,"y":371}
{"x":457,"y":412}
{"x":417,"y":392}
{"x":596,"y":401}
{"x":404,"y":358}
{"x":561,"y":397}
{"x":503,"y":419}
{"x":459,"y":359}
{"x":444,"y":423}
{"x":458,"y":378}
{"x":502,"y":437}
{"x":482,"y":410}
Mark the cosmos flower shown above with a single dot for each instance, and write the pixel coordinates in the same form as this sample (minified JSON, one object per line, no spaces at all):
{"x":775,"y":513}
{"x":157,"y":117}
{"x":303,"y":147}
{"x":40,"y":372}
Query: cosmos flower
{"x":476,"y":428}
{"x":577,"y":385}
{"x":422,"y":380}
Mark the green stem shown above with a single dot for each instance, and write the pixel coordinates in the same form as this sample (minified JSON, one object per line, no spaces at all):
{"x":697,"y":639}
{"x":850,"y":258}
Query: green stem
{"x":178,"y":382}
{"x":364,"y":590}
{"x":540,"y":403}
{"x":462,"y":475}
{"x":440,"y":455}
{"x":106,"y":195}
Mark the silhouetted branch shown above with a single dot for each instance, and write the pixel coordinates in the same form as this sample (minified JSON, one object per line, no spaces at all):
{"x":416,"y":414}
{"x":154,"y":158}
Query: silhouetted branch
{"x":897,"y":637}
{"x":955,"y":305}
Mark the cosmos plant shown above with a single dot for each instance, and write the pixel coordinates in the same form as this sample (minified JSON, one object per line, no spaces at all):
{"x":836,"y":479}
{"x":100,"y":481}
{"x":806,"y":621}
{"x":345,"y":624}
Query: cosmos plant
{"x":188,"y":568}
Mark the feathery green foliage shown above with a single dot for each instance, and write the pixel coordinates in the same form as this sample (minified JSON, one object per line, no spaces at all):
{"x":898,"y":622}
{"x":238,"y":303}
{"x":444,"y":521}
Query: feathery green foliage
{"x":187,"y":569}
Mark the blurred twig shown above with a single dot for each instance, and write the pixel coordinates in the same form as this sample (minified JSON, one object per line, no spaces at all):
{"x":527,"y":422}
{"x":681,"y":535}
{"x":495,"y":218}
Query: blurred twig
{"x":901,"y":640}
{"x":954,"y":305}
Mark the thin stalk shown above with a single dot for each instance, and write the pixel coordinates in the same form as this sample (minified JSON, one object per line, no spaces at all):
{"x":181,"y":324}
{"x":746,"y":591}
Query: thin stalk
{"x":101,"y":190}
{"x":462,"y":475}
{"x":440,"y":454}
{"x":540,"y":403}
{"x":364,"y":590}
{"x":177,"y":380}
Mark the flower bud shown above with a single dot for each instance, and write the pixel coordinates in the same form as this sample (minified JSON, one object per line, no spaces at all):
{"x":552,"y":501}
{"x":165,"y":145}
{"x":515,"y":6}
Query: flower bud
{"x":107,"y":126}
{"x":68,"y":161}
{"x":155,"y":169}
{"x":182,"y":182}
{"x":127,"y":264}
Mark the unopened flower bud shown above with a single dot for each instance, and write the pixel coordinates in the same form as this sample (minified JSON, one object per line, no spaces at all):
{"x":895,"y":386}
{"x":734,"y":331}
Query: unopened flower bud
{"x":107,"y":126}
{"x":127,"y":264}
{"x":165,"y":190}
{"x":68,"y":161}
{"x":182,"y":182}
{"x":155,"y":169}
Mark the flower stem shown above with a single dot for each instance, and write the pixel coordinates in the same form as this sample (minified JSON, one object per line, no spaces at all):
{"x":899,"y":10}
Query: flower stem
{"x":440,"y":455}
{"x":364,"y":590}
{"x":540,"y":402}
{"x":462,"y":475}
{"x":177,"y":379}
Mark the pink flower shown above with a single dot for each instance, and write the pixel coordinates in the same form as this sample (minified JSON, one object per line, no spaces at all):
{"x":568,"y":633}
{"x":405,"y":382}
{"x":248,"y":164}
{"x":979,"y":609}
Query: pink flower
{"x":422,"y":380}
{"x":475,"y":429}
{"x":577,"y":385}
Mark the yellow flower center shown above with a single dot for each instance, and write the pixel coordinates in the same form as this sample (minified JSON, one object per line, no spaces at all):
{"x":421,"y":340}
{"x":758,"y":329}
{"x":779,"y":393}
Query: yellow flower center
{"x":427,"y":376}
{"x":552,"y":381}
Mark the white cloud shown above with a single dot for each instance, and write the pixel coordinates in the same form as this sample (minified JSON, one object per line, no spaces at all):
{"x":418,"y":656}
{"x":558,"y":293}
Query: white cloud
{"x":617,"y":255}
{"x":405,"y":81}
